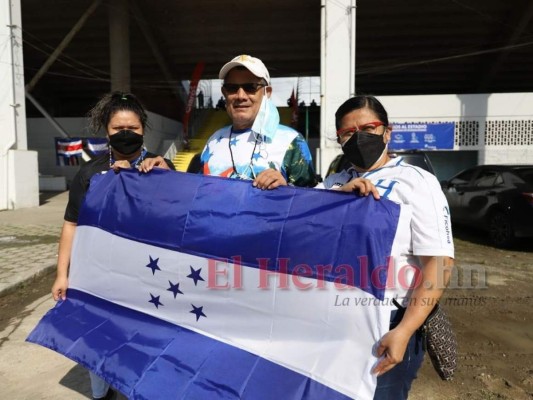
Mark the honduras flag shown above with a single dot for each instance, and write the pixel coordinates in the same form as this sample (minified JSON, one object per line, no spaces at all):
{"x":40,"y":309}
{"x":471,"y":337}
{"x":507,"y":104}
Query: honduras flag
{"x":192,"y":287}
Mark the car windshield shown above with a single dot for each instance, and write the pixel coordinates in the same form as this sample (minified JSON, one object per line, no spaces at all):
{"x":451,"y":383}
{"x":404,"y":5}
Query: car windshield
{"x":464,"y":177}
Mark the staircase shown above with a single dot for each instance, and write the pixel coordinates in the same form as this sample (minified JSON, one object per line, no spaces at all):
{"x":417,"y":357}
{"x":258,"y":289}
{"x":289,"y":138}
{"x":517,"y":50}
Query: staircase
{"x":182,"y":160}
{"x":214,"y":120}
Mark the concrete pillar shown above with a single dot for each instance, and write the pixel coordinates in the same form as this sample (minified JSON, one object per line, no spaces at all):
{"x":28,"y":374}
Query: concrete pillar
{"x":19,"y":176}
{"x":337,"y":72}
{"x":119,"y":44}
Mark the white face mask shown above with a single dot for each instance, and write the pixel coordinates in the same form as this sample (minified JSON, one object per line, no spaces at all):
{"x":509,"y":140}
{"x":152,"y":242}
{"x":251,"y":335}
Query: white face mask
{"x":267,"y":120}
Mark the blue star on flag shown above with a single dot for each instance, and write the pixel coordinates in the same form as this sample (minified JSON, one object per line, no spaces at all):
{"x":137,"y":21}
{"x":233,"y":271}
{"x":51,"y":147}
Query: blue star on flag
{"x":174,"y":288}
{"x":155,"y":301}
{"x":220,"y":138}
{"x":195,"y":275}
{"x":256,"y":156}
{"x":198,"y":311}
{"x":233,"y":142}
{"x":153,"y":265}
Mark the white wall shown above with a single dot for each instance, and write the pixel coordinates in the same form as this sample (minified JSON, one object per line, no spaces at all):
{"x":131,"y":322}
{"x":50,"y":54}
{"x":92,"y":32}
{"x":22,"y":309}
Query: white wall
{"x":23,"y":184}
{"x":505,"y":121}
{"x":41,"y":136}
{"x":161,"y":131}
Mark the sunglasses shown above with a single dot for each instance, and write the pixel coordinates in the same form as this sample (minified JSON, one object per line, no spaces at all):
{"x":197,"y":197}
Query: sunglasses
{"x":249,"y":88}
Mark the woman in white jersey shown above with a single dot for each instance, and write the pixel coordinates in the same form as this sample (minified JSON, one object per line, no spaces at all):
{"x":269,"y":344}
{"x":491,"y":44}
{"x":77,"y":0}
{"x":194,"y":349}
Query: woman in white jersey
{"x":423,"y":241}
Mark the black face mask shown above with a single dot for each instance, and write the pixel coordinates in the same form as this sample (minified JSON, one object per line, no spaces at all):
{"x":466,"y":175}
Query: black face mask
{"x":126,"y":142}
{"x":363,"y":149}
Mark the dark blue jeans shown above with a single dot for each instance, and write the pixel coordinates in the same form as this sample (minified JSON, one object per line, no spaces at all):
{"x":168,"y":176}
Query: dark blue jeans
{"x":396,"y":383}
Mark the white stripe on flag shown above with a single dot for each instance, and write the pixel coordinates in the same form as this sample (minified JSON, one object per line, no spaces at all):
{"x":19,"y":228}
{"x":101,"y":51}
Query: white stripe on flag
{"x":307,"y":331}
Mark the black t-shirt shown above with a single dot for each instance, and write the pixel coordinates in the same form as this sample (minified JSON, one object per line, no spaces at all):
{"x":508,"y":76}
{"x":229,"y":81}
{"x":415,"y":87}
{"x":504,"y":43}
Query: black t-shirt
{"x":80,"y":183}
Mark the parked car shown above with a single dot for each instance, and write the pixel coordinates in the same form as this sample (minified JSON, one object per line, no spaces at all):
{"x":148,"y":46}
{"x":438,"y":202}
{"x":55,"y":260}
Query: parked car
{"x":495,"y":198}
{"x":418,"y":158}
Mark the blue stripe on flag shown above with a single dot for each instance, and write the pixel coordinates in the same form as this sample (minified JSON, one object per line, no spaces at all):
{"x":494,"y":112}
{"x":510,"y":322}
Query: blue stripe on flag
{"x":132,"y":349}
{"x":220,"y":218}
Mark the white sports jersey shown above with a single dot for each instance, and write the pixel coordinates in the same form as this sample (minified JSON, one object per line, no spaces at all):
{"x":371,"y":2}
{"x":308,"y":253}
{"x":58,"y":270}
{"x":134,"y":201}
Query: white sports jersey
{"x":424,"y":228}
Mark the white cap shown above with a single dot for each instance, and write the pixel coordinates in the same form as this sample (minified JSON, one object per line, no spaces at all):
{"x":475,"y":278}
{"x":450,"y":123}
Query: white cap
{"x":252,"y":64}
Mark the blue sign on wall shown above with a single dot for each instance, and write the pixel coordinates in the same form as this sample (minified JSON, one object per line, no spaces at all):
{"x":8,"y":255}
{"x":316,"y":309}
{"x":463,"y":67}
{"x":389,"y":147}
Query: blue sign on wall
{"x":423,"y":136}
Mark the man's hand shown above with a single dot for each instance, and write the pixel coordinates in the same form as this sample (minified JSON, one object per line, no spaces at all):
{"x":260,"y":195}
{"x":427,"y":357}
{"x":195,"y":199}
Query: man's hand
{"x":150,"y":163}
{"x":269,"y":179}
{"x":361,"y":185}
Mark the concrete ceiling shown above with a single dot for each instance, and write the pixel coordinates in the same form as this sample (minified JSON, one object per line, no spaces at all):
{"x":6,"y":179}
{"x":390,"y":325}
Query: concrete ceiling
{"x":403,"y":47}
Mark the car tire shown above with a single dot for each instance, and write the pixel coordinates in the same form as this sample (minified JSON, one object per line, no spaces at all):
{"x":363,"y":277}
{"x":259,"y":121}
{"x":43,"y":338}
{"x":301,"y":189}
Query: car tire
{"x":500,"y":229}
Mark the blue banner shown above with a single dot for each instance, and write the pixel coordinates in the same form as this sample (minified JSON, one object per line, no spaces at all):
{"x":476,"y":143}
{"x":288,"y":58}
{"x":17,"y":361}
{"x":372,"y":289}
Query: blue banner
{"x":422,"y":136}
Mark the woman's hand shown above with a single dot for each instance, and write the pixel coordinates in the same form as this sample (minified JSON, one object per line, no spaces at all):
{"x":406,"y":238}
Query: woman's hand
{"x":269,"y":179}
{"x":436,"y":271}
{"x":59,"y":288}
{"x":150,"y":163}
{"x":361,"y":185}
{"x":391,"y":348}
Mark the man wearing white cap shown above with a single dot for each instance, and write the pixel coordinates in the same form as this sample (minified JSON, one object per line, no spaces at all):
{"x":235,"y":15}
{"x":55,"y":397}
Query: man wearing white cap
{"x":255,"y":146}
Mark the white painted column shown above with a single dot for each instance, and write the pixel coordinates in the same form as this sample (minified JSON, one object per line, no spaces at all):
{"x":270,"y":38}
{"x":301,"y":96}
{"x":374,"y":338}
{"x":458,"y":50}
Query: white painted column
{"x":19,"y":177}
{"x":337,"y":72}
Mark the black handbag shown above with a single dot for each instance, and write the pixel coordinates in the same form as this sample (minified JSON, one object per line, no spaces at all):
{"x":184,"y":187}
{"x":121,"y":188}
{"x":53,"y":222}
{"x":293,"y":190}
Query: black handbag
{"x":440,"y":342}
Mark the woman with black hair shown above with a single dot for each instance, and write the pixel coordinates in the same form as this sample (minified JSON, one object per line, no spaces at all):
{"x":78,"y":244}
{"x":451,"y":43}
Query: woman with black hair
{"x":423,"y":251}
{"x":124,"y":119}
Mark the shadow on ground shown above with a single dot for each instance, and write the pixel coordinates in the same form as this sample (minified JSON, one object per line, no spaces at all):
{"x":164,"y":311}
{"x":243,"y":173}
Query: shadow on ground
{"x":44,"y":197}
{"x":77,"y":379}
